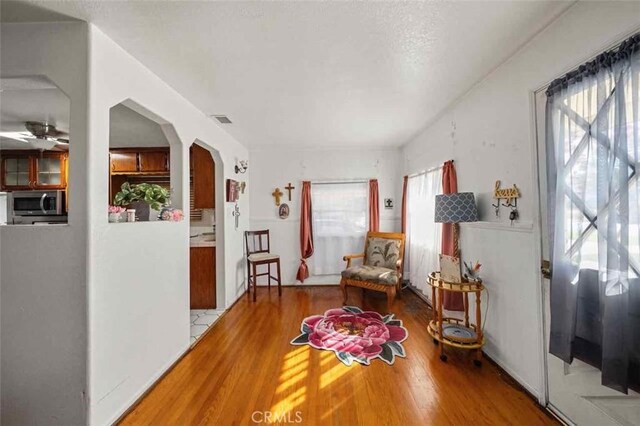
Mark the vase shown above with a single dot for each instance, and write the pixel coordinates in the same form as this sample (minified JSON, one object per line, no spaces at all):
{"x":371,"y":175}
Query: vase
{"x":117,"y":217}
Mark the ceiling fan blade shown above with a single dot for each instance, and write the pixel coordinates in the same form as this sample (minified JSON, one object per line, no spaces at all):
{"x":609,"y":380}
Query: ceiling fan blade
{"x":18,"y":136}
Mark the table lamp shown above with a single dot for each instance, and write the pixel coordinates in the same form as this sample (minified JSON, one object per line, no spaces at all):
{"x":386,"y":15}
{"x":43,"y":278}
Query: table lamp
{"x":456,"y":208}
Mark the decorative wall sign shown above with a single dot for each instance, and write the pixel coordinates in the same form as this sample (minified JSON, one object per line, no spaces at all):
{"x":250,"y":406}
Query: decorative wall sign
{"x":388,"y":203}
{"x":283,"y":211}
{"x":510,"y":195}
{"x":289,"y":188}
{"x":233,"y":191}
{"x":276,"y":195}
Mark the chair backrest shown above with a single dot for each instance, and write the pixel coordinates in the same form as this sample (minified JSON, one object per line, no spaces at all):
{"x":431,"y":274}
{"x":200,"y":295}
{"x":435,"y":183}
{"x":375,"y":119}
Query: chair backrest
{"x":384,"y":249}
{"x":257,"y":241}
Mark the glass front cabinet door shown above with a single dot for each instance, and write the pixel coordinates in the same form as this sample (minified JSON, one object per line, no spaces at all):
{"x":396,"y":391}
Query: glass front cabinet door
{"x":50,"y":171}
{"x":16,"y":173}
{"x":24,"y":171}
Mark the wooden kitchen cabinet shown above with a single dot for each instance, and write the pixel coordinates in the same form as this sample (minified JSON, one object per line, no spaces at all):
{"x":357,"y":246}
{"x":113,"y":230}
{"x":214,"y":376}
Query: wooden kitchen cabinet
{"x":132,"y":161}
{"x":153,"y":161}
{"x":202,"y":277}
{"x":25,"y":170}
{"x":123,"y":161}
{"x":203,"y":178}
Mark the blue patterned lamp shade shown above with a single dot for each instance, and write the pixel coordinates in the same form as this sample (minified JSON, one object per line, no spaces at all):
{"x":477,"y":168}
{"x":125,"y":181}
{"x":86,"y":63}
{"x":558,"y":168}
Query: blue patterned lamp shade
{"x":456,"y":208}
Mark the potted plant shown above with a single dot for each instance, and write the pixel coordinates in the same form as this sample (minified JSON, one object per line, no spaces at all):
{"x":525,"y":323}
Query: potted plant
{"x":143,"y":197}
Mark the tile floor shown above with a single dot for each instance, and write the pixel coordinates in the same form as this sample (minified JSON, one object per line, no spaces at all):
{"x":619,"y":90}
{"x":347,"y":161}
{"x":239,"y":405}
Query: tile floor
{"x":201,"y":320}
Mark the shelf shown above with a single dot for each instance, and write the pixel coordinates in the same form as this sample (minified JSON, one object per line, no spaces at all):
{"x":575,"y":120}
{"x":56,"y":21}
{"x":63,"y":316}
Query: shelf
{"x":433,"y":331}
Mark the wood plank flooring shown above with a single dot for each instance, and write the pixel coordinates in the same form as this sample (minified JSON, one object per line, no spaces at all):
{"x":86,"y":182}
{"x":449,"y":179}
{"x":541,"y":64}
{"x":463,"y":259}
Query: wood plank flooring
{"x":245,"y":365}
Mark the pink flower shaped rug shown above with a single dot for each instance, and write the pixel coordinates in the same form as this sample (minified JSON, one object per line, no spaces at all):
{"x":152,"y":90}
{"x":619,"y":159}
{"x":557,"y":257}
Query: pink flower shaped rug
{"x":354,"y":335}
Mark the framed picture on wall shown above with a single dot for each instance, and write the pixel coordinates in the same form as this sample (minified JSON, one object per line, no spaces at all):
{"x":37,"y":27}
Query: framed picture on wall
{"x":233,"y":190}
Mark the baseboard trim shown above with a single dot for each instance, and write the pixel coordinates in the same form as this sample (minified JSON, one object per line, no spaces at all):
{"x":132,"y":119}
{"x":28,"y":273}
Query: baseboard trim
{"x":153,"y":384}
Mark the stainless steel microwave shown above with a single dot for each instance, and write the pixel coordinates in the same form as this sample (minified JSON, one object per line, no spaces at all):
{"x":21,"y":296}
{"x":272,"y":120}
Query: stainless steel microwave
{"x":37,"y":203}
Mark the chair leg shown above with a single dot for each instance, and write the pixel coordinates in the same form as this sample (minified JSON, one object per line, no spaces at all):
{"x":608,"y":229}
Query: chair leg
{"x":279,"y":279}
{"x":391,"y":295}
{"x":248,"y":278}
{"x":343,"y":287}
{"x":399,"y":290}
{"x":255,"y":282}
{"x":269,"y":275}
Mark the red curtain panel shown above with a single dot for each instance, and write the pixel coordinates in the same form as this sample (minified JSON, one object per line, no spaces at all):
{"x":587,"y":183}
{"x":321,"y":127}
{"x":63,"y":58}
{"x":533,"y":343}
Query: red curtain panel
{"x":404,"y":204}
{"x":306,"y":231}
{"x":452,"y":300}
{"x":374,"y":206}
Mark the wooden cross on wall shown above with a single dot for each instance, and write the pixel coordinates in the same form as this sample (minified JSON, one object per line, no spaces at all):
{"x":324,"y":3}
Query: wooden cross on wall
{"x":277,"y":194}
{"x":289,"y":188}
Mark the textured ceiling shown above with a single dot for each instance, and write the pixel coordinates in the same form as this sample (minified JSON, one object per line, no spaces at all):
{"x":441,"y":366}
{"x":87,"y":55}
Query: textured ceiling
{"x":317,"y":73}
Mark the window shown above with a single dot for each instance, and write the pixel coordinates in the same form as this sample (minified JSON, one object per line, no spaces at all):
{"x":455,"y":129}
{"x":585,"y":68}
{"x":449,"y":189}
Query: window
{"x":593,"y":147}
{"x":339,"y":216}
{"x":423,"y":234}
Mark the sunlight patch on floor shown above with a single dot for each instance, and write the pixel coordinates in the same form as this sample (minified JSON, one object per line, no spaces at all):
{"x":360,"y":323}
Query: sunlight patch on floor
{"x":291,"y":401}
{"x":333,"y":374}
{"x":294,"y":369}
{"x":291,"y":381}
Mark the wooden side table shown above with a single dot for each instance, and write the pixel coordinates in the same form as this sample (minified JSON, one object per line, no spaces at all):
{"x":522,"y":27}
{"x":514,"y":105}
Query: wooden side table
{"x":455,"y":332}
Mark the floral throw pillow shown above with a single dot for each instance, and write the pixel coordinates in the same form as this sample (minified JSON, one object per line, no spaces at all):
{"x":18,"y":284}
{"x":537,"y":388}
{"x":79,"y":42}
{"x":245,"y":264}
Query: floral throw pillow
{"x":383,"y":252}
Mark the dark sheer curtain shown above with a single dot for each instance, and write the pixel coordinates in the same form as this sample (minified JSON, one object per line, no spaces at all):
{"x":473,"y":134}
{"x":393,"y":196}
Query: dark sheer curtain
{"x":592,"y":136}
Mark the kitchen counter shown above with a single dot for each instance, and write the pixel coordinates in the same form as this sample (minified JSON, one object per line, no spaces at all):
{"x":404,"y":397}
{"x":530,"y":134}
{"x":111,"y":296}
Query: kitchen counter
{"x":201,"y":242}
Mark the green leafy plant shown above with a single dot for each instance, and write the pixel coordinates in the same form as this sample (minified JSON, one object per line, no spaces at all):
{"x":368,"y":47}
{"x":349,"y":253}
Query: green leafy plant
{"x":152,"y":194}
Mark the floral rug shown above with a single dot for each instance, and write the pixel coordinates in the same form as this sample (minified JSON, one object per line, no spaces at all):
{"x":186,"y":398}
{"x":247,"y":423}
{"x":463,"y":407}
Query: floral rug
{"x":354,"y":335}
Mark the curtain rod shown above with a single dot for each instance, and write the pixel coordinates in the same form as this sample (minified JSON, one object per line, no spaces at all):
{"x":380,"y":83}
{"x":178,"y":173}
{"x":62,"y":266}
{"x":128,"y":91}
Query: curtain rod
{"x":332,"y":182}
{"x":424,"y":172}
{"x":610,"y":46}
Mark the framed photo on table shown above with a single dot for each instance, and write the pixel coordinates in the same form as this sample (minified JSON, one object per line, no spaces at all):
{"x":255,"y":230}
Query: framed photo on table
{"x":450,"y":269}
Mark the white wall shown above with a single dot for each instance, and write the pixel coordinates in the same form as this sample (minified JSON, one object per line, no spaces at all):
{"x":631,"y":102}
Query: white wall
{"x":275,"y":167}
{"x":43,"y":269}
{"x":138,"y":273}
{"x":489,"y":135}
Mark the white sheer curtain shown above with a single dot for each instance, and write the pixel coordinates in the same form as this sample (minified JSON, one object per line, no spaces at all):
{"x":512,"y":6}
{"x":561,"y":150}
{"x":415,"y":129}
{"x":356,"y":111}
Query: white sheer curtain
{"x":423,"y":234}
{"x":593,"y":148}
{"x":339,"y":215}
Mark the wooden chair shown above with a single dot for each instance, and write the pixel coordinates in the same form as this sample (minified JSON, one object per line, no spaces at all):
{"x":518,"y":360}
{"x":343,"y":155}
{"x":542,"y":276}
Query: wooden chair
{"x":258,"y":253}
{"x":381,"y":269}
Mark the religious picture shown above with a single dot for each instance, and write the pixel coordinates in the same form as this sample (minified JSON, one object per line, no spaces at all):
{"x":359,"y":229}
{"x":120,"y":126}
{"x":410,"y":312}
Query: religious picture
{"x":283,"y":211}
{"x":233,"y":191}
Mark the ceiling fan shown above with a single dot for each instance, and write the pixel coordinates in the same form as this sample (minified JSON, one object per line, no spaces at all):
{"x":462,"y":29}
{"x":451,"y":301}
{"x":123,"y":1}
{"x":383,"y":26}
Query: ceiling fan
{"x":39,"y":135}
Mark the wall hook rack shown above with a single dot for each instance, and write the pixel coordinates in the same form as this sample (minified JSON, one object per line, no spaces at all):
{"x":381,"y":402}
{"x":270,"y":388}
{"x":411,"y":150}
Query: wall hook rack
{"x":509,"y":196}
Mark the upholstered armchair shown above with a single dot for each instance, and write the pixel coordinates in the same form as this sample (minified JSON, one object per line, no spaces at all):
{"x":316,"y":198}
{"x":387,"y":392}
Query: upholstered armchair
{"x":381,"y":269}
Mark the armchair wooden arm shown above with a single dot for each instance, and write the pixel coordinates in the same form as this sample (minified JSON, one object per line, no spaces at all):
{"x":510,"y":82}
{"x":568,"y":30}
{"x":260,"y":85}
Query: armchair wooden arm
{"x":349,"y":257}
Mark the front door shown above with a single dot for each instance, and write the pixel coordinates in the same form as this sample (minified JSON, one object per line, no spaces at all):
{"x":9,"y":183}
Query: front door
{"x":574,"y":391}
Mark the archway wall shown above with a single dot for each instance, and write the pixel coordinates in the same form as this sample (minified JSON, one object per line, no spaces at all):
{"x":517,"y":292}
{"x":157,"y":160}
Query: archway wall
{"x":43,"y":269}
{"x":138,"y":301}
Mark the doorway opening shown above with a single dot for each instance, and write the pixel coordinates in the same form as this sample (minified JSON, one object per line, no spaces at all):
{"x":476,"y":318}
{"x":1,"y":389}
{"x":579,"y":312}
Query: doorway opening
{"x":205,"y":304}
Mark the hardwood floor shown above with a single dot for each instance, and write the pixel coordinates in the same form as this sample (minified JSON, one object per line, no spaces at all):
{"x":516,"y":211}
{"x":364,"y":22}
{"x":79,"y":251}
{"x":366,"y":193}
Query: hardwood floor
{"x":245,"y":365}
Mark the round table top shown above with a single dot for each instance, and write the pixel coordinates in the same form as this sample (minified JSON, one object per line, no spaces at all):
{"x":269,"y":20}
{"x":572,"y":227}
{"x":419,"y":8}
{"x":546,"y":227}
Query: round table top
{"x":434,"y":280}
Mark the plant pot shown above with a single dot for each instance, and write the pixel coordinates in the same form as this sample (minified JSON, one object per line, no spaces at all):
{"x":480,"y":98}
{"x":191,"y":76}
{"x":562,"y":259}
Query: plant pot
{"x":144,"y":212}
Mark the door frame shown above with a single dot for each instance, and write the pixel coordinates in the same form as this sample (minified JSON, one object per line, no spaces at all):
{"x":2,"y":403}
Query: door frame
{"x":537,"y":235}
{"x":537,"y":140}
